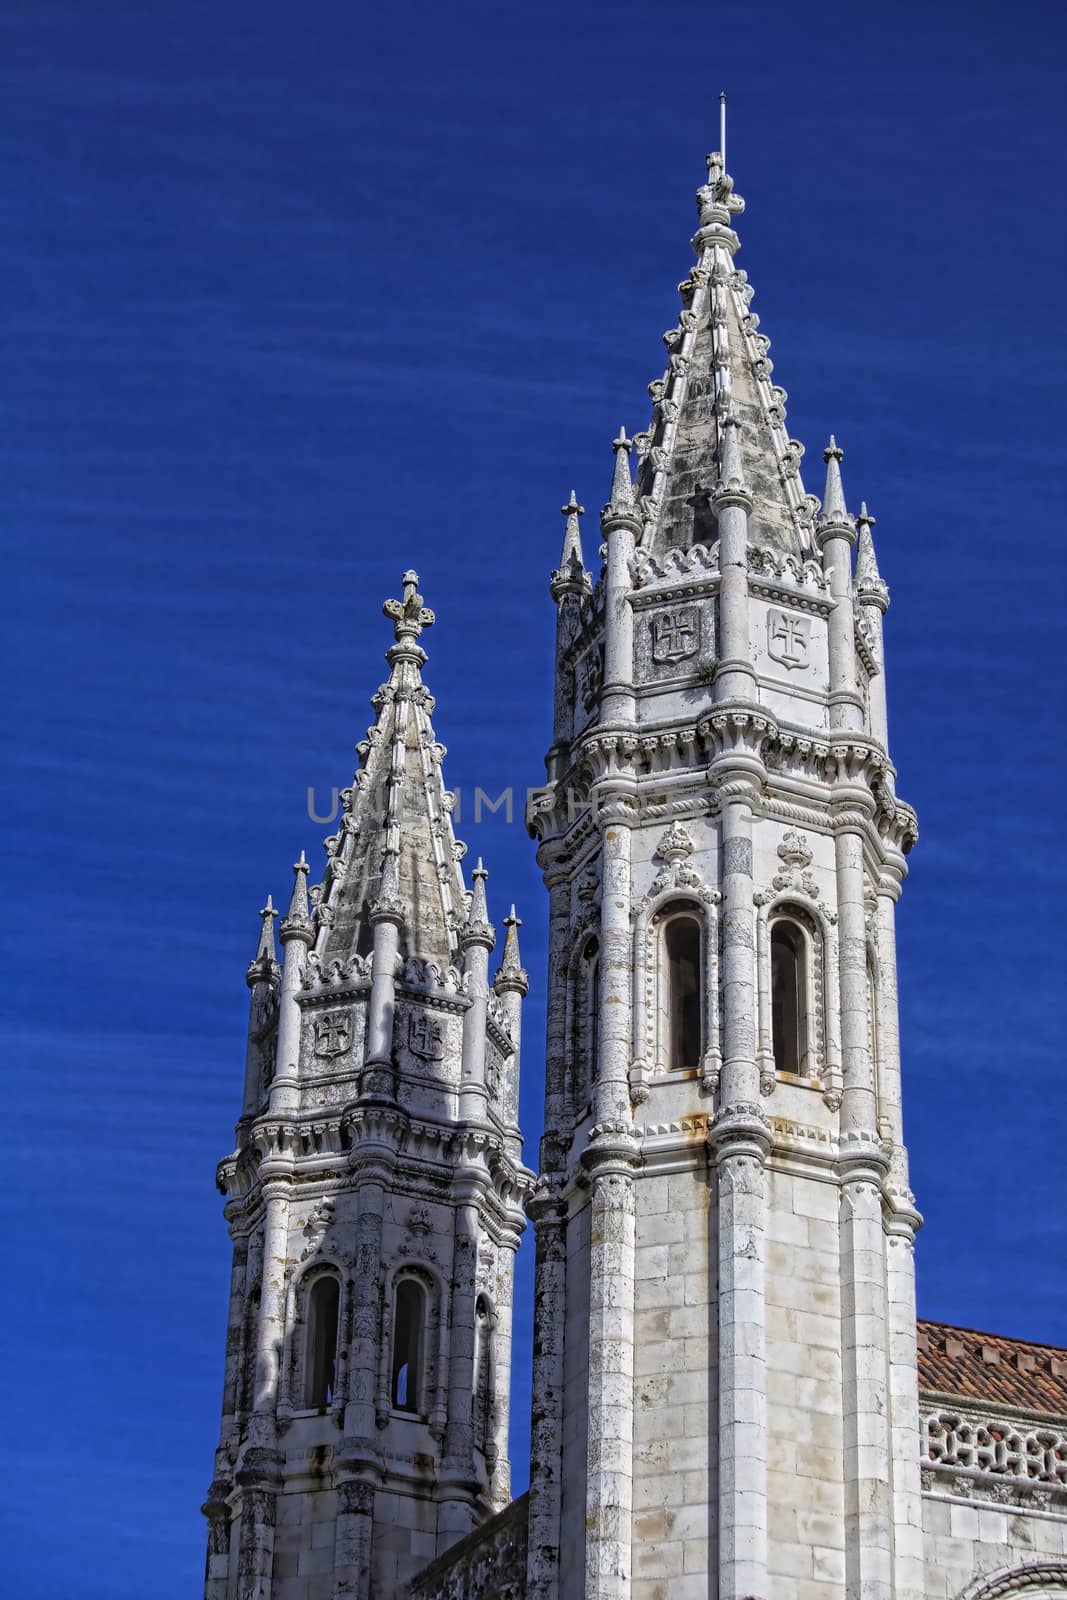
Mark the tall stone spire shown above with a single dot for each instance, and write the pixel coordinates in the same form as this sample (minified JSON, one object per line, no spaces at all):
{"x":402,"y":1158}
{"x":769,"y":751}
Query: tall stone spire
{"x":718,"y":366}
{"x":375,"y":1194}
{"x":395,"y":846}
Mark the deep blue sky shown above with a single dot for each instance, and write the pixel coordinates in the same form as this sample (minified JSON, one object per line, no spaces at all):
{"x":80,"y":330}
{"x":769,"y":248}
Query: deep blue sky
{"x":295,"y":296}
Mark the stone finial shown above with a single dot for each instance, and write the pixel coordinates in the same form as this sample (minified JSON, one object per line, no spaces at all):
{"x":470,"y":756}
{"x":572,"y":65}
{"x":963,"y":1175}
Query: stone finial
{"x":731,"y":487}
{"x":263,"y":968}
{"x":478,"y":929}
{"x":296,"y":923}
{"x":870,"y":585}
{"x":621,"y":507}
{"x":834,"y":513}
{"x":409,"y":616}
{"x":571,"y":571}
{"x":511,"y":974}
{"x":716,"y":200}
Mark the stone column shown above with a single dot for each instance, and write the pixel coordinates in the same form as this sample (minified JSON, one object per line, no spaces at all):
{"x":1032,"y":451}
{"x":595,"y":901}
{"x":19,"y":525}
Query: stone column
{"x":549,"y":1215}
{"x":353,"y":1538}
{"x":908,"y":1558}
{"x":547,"y":1210}
{"x":501,"y":1399}
{"x":297,"y":936}
{"x":219,"y":1526}
{"x":735,"y":677}
{"x":255,"y":1560}
{"x":359,"y":1466}
{"x":861,"y":1168}
{"x":270,"y":1327}
{"x":456,"y":1479}
{"x":739,"y":1142}
{"x":609,"y":1449}
{"x":621,"y":527}
{"x":476,"y":942}
{"x":378,"y":1078}
{"x":610,"y":1159}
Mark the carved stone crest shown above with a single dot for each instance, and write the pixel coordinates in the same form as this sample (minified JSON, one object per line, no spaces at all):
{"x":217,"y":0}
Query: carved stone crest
{"x":795,"y":856}
{"x":333,"y":1033}
{"x":425,"y":1036}
{"x":675,"y":634}
{"x":788,"y":638}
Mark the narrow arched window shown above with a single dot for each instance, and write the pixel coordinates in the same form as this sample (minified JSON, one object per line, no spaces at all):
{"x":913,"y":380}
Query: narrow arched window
{"x":320,"y":1371}
{"x":787,"y":997}
{"x":682,"y":947}
{"x":409,"y":1315}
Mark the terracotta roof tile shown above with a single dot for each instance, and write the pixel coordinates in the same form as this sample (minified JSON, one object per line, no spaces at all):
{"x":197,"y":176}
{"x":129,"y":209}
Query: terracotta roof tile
{"x":987,"y":1366}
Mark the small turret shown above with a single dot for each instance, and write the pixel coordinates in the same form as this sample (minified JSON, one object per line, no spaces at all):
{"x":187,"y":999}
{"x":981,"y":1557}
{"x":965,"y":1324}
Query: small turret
{"x":570,"y":576}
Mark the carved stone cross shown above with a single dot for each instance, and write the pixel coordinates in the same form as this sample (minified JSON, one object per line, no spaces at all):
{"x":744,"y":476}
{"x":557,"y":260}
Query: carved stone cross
{"x":409,"y":616}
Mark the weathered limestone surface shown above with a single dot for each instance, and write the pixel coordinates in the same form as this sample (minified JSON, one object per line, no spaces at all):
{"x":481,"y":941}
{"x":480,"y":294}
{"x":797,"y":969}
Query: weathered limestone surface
{"x":726,"y":1356}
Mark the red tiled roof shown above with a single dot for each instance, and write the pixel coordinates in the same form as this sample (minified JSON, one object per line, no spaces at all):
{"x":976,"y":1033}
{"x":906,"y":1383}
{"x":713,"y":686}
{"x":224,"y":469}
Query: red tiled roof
{"x":987,"y":1366}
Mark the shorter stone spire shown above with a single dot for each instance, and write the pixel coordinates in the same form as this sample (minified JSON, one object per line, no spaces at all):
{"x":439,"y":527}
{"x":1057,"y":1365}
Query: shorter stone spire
{"x":511,"y":974}
{"x":834,"y":511}
{"x":264,"y":967}
{"x":621,"y":504}
{"x":478,"y":929}
{"x":871,"y":588}
{"x":296,"y":923}
{"x":571,"y":576}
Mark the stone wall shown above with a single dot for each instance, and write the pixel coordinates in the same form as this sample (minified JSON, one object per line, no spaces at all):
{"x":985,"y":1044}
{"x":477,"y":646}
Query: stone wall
{"x":490,"y":1564}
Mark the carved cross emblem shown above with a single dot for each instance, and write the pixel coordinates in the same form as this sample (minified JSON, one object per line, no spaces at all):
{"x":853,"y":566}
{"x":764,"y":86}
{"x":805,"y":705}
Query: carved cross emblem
{"x":675,"y":634}
{"x":409,"y":616}
{"x":425,"y":1037}
{"x":333,"y":1033}
{"x":788,"y":638}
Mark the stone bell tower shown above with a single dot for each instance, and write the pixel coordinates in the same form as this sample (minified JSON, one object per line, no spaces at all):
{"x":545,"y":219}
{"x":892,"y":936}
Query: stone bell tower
{"x":374,"y":1197}
{"x":725,"y":1384}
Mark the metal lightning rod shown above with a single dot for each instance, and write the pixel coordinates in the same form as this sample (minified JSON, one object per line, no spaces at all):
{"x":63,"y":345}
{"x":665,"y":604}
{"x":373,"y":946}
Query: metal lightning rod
{"x":722,"y":128}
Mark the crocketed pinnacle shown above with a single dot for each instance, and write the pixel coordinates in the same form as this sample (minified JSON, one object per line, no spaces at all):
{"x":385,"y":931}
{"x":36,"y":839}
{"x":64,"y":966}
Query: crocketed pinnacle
{"x":870,"y":585}
{"x":478,"y":929}
{"x":570,"y":576}
{"x":571,"y":562}
{"x":297,"y":922}
{"x":511,"y":974}
{"x":263,"y":968}
{"x":621,"y":505}
{"x":834,"y":511}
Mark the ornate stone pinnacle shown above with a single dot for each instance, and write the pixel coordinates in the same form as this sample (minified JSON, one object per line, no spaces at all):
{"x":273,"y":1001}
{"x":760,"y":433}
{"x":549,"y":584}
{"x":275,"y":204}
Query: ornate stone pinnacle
{"x":510,"y":974}
{"x":409,"y":616}
{"x":571,"y":570}
{"x":621,"y":503}
{"x":264,"y":965}
{"x":834,"y":511}
{"x":865,"y":520}
{"x":478,"y":928}
{"x":297,"y":921}
{"x":572,"y":508}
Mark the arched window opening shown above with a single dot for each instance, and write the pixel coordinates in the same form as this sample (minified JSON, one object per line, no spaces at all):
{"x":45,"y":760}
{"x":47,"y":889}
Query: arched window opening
{"x":682,"y":944}
{"x":321,"y":1366}
{"x":408,"y":1321}
{"x":787,"y":997}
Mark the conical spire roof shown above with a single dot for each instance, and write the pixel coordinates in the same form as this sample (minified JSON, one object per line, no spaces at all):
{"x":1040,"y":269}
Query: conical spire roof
{"x":834,"y":511}
{"x":718,"y":365}
{"x":621,"y":501}
{"x":395,"y":853}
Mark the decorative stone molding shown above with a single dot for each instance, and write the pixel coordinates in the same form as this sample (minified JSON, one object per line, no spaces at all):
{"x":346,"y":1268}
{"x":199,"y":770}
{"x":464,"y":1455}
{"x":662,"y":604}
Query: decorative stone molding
{"x":1036,"y":1578}
{"x":489,"y":1564}
{"x":979,"y":1456}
